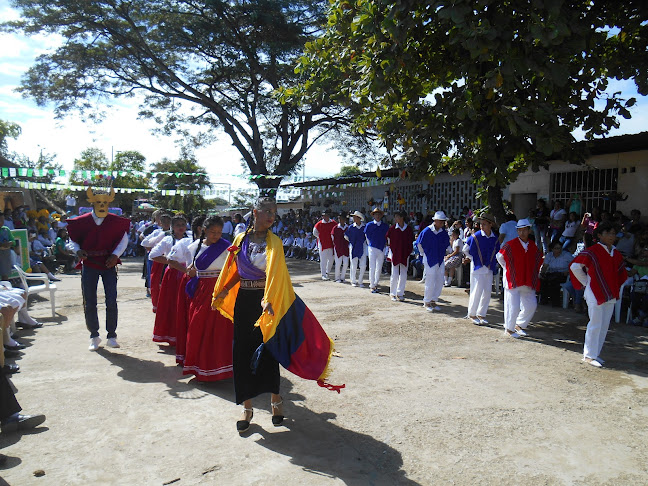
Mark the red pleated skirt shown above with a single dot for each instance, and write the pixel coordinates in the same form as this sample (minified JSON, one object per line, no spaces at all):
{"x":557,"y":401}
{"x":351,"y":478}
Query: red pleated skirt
{"x":165,"y":318}
{"x":208,"y":353}
{"x":157,"y":272}
{"x":182,"y":319}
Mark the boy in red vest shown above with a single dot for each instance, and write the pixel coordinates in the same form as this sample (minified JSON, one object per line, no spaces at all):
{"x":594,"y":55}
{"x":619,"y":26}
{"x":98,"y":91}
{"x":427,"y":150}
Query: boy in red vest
{"x":600,"y":269}
{"x":323,"y":230}
{"x":400,"y":239}
{"x":99,"y":239}
{"x":521,"y":260}
{"x":340,"y":248}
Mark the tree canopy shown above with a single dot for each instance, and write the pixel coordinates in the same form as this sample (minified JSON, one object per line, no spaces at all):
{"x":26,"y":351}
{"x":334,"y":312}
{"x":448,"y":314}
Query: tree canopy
{"x":187,"y":203}
{"x":479,"y":86}
{"x":8,"y":129}
{"x":211,"y":64}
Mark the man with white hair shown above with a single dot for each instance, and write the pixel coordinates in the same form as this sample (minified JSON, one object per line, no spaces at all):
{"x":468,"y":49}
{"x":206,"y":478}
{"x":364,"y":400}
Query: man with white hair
{"x":521,"y":260}
{"x":432,"y":243}
{"x":358,"y":242}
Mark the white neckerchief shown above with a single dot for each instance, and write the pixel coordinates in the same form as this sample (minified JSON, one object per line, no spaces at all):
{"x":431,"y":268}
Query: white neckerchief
{"x":524,"y":245}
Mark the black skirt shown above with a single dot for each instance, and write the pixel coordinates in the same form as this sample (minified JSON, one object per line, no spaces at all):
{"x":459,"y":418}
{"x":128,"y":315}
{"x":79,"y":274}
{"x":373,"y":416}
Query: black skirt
{"x":247,"y":339}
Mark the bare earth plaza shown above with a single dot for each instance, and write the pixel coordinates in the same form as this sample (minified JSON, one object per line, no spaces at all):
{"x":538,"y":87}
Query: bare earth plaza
{"x":429,"y":399}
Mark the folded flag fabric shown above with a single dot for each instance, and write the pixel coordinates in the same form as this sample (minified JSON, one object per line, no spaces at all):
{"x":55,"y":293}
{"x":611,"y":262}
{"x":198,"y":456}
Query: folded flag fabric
{"x":292,"y":335}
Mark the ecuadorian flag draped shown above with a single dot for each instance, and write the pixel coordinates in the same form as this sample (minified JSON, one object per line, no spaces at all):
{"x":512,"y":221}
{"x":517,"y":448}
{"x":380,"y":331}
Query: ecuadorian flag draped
{"x":292,"y":335}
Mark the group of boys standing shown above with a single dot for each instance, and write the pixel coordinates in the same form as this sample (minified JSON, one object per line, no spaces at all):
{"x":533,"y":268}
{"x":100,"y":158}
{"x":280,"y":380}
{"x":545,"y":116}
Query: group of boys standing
{"x":599,"y":269}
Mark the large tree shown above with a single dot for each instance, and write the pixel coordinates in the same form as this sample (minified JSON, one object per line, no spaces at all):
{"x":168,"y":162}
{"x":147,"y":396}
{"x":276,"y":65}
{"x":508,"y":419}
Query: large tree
{"x":480,"y":86}
{"x":189,"y":203}
{"x":213,"y":63}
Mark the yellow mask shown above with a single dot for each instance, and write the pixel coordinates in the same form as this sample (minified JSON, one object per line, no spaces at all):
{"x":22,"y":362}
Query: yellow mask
{"x":100,"y":202}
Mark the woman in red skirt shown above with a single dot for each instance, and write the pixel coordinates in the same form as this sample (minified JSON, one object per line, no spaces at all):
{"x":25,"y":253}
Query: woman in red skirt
{"x":181,"y":258}
{"x":165,"y":317}
{"x":209,"y":337}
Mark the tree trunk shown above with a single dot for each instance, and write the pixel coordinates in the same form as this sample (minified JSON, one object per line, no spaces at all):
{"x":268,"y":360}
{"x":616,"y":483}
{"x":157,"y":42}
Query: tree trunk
{"x":268,"y":186}
{"x":496,"y":204}
{"x":49,"y":202}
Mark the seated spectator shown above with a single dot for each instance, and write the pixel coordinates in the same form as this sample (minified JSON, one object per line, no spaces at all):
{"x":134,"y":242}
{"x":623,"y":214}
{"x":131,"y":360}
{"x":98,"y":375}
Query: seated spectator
{"x":557,"y":219}
{"x":639,"y":296}
{"x":569,"y":233}
{"x":61,"y":253}
{"x":8,"y":214}
{"x":312,"y":252}
{"x":553,"y":273}
{"x":288,"y":239}
{"x":454,"y":257}
{"x":43,"y":237}
{"x":626,"y":242}
{"x":37,"y":257}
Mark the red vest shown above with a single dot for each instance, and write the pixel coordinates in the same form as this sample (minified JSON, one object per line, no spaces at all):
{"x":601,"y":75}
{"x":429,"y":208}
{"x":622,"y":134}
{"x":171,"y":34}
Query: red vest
{"x":325,"y":230}
{"x":522,"y":267}
{"x":607,"y":273}
{"x":400,"y":244}
{"x":339,"y":242}
{"x":99,"y":241}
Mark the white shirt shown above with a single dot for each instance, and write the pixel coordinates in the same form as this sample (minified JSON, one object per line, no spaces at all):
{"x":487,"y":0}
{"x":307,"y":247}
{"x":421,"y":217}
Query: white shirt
{"x":240,"y":228}
{"x":119,"y":249}
{"x":163,"y":248}
{"x":154,"y":238}
{"x":180,"y":252}
{"x":218,"y":262}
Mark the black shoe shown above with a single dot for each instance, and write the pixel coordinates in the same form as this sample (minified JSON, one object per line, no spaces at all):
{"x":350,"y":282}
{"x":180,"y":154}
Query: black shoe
{"x":10,"y":369}
{"x":244,"y":425}
{"x":11,"y":354}
{"x":22,"y":422}
{"x":17,"y":347}
{"x":24,"y":325}
{"x":277,"y":420}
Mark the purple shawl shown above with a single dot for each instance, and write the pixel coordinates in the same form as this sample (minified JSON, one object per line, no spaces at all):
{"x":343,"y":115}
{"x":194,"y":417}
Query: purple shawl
{"x":246,"y":269}
{"x":203,"y":261}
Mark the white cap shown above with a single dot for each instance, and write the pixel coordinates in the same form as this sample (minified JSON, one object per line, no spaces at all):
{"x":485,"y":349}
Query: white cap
{"x":440,"y":215}
{"x":523,"y":223}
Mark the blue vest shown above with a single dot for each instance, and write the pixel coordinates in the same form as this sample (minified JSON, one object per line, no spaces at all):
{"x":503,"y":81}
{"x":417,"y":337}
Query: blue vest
{"x":489,"y":248}
{"x":377,"y":235}
{"x":356,"y":240}
{"x":434,"y":245}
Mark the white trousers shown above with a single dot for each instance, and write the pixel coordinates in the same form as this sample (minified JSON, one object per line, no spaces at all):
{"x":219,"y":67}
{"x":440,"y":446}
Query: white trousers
{"x":481,"y":286}
{"x":519,"y":306}
{"x":597,"y":327}
{"x":376,"y":259}
{"x":341,"y":265}
{"x":398,"y":280}
{"x":433,"y":281}
{"x":326,"y":261}
{"x":358,"y":267}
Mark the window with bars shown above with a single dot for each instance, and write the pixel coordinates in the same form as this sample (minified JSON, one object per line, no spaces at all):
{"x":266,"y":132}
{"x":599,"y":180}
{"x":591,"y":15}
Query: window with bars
{"x":594,"y":187}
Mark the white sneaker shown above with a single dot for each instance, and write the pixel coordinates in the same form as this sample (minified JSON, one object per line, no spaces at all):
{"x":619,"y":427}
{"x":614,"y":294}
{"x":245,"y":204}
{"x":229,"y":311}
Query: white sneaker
{"x":94,"y":343}
{"x":393,"y":298}
{"x":324,"y":278}
{"x":513,"y":335}
{"x":112,"y":342}
{"x":354,"y":284}
{"x":482,"y":320}
{"x":474,"y":320}
{"x":521,"y":331}
{"x":592,"y":362}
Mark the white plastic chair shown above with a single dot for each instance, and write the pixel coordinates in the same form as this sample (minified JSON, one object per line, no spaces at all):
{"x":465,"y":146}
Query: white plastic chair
{"x":46,"y":286}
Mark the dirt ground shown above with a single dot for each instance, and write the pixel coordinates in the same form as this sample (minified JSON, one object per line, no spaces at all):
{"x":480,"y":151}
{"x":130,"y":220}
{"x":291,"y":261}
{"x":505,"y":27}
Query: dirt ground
{"x":429,"y":399}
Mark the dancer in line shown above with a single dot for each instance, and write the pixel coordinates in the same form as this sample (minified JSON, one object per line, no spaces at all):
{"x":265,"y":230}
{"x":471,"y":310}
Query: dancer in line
{"x":208,"y":353}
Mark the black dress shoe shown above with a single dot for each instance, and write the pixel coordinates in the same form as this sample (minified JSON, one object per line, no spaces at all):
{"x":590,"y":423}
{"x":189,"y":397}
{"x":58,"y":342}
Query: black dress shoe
{"x":10,"y":369}
{"x":16,"y":347}
{"x":22,"y":422}
{"x":25,"y":325}
{"x":11,"y":354}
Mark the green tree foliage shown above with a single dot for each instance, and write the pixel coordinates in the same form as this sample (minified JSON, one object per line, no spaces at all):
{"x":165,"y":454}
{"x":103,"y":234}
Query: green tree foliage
{"x":123,"y":163}
{"x":187,"y":203}
{"x":8,"y":130}
{"x":91,"y":158}
{"x":348,"y":170}
{"x":212,"y":64}
{"x":491,"y":88}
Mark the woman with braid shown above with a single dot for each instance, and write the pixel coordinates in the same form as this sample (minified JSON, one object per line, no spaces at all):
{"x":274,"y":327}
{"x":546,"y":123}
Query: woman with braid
{"x":272,"y":325}
{"x":165,"y":319}
{"x":208,"y":353}
{"x":180,"y":258}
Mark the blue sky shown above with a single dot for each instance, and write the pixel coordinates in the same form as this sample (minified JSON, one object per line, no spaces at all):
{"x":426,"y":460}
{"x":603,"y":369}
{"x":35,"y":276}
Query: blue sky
{"x":121,"y":130}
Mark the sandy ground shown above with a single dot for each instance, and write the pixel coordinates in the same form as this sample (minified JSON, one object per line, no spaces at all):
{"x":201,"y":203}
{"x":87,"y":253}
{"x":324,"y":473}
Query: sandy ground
{"x":429,"y":399}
